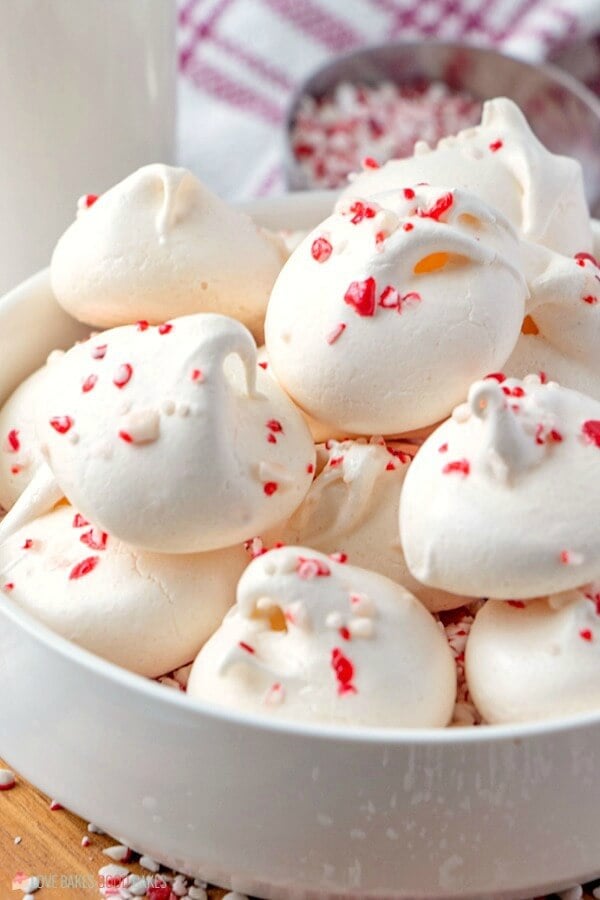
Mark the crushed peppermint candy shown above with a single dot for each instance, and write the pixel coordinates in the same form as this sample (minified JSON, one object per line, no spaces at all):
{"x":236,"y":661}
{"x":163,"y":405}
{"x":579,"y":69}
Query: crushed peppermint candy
{"x":358,"y":126}
{"x":7,"y":780}
{"x":457,"y":625}
{"x":84,"y":568}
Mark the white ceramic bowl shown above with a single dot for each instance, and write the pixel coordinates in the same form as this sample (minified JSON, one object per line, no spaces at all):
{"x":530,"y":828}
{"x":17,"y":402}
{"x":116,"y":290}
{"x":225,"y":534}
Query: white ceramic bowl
{"x":278,"y":810}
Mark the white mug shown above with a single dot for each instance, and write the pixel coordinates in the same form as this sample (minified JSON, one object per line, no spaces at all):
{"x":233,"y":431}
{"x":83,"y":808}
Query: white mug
{"x":87,"y":95}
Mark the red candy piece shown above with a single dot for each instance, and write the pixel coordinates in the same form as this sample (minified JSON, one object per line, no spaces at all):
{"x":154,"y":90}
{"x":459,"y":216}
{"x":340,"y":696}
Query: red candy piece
{"x":591,"y":430}
{"x":84,"y":567}
{"x":14,"y":444}
{"x":361,"y":211}
{"x":62,"y":424}
{"x":308,"y":568}
{"x":165,"y":329}
{"x":337,"y":332}
{"x":496,"y":145}
{"x":123,"y":375}
{"x":461,"y":466}
{"x":441,"y":205}
{"x":361,"y":296}
{"x":270,"y":487}
{"x":321,"y":249}
{"x":99,"y":352}
{"x":89,"y":383}
{"x":344,"y":672}
{"x":95,"y":539}
{"x":582,"y":258}
{"x":497,"y":376}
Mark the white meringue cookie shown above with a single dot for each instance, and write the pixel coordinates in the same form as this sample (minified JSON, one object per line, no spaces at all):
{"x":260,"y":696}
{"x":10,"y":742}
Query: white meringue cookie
{"x":501,"y":501}
{"x":534,"y":660}
{"x":20,"y":456}
{"x":315,"y":640}
{"x":503,"y":163}
{"x":381,"y":319}
{"x":158,"y":245}
{"x":352,"y":508}
{"x":172,"y":439}
{"x":147,"y":612}
{"x":562,"y":334}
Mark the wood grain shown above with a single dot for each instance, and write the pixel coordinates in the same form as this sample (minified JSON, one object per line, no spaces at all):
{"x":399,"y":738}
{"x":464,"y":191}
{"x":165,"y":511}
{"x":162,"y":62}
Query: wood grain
{"x":51,"y":846}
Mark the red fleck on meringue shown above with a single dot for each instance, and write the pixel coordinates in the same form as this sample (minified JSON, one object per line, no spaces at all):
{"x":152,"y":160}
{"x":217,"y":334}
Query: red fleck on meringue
{"x":321,"y":249}
{"x":123,"y":375}
{"x":62,"y":424}
{"x":83,"y":568}
{"x":360,"y":295}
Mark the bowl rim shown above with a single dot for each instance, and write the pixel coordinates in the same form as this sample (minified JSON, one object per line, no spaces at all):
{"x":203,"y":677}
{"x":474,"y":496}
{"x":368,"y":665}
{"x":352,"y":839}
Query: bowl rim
{"x":552,"y":72}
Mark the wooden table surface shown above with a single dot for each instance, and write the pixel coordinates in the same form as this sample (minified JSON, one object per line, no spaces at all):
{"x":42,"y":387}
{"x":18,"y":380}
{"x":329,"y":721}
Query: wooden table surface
{"x":51,"y":845}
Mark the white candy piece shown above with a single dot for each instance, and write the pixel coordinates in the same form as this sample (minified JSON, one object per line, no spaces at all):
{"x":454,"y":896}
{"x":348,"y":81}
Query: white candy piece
{"x":563,"y":331}
{"x":20,"y":456}
{"x":503,"y":163}
{"x":538,"y":659}
{"x":352,"y":508}
{"x":158,"y":245}
{"x":502,"y":500}
{"x":170,"y":438}
{"x":146,"y":612}
{"x":385,"y":314}
{"x":315,"y":640}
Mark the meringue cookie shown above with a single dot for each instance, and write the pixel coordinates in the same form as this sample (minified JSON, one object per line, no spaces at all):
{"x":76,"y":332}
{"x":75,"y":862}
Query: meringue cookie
{"x":381,"y":319}
{"x":147,"y":612}
{"x":352,"y":508}
{"x":158,"y":245}
{"x":318,"y":641}
{"x":536,"y":660}
{"x":503,"y":163}
{"x":563,"y":331}
{"x":172,"y":439}
{"x":20,"y":456}
{"x":501,"y":501}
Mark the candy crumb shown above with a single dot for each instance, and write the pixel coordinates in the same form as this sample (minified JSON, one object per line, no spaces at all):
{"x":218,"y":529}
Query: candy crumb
{"x":7,"y":780}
